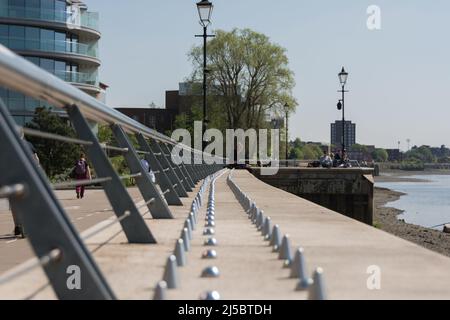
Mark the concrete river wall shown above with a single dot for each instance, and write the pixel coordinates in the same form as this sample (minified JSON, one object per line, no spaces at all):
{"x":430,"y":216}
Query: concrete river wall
{"x":347,"y":191}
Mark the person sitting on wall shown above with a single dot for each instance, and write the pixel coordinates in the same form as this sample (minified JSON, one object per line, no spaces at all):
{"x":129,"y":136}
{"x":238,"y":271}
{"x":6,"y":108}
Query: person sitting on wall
{"x":325,"y":160}
{"x":337,"y":159}
{"x":345,"y":161}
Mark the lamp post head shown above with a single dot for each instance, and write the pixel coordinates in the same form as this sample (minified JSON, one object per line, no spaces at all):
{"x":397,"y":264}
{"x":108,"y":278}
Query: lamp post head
{"x":205,"y":9}
{"x":343,"y":76}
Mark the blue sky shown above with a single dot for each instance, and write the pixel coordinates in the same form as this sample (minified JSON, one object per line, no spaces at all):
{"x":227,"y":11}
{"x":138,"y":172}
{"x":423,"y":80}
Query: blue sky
{"x":399,"y":75}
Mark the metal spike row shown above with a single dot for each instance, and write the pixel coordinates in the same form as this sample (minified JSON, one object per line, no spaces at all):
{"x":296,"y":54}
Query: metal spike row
{"x":275,"y":241}
{"x":188,"y":225}
{"x":317,"y":289}
{"x":285,"y":251}
{"x":267,"y":229}
{"x":185,"y":237}
{"x":180,"y":253}
{"x":170,"y":273}
{"x":160,"y":291}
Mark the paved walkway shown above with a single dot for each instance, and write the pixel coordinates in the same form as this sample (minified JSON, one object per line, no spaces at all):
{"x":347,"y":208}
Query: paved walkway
{"x":84,"y":214}
{"x":344,"y":248}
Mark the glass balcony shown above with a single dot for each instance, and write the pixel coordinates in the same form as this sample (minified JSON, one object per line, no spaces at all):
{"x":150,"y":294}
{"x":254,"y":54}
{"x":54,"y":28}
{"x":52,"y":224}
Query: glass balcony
{"x":78,"y":77}
{"x":15,"y":43}
{"x":84,"y":18}
{"x":90,"y":20}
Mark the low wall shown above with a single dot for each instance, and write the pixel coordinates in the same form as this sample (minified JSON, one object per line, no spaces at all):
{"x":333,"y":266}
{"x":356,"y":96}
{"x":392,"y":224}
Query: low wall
{"x":347,"y":191}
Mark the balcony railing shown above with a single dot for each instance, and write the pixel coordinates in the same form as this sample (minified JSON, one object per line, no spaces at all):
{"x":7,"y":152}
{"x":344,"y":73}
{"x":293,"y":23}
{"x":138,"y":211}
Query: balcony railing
{"x":77,"y":77}
{"x":15,"y":43}
{"x":82,"y":19}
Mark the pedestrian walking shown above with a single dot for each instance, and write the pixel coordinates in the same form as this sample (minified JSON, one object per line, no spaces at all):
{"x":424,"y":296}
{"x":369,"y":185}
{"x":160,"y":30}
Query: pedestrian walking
{"x":81,"y":172}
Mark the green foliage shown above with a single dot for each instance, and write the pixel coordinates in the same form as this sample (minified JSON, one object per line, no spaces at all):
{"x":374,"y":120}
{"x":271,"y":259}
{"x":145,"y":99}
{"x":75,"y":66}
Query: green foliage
{"x":297,"y":154}
{"x":421,"y":154}
{"x":106,"y":136}
{"x":249,"y":76}
{"x":409,"y":165}
{"x":56,"y":158}
{"x":297,"y":143}
{"x":302,"y":151}
{"x":380,"y":155}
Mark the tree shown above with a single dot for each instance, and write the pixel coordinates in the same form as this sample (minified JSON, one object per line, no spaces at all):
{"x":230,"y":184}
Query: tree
{"x":380,"y":155}
{"x":297,"y":143}
{"x":296,"y":154}
{"x":249,"y":74}
{"x":55,"y":157}
{"x":423,"y":154}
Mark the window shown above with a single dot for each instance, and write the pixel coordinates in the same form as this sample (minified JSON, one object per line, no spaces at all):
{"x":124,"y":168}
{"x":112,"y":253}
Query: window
{"x":32,"y":38}
{"x":33,"y":9}
{"x":17,"y":8}
{"x":60,"y":41}
{"x":3,"y":94}
{"x":47,"y":40}
{"x":31,"y":104}
{"x":28,"y":119}
{"x":72,"y":43}
{"x":19,"y":120}
{"x":4,"y":34}
{"x":152,"y":122}
{"x":60,"y":70}
{"x":17,"y":37}
{"x":60,"y":10}
{"x":48,"y":65}
{"x":60,"y":65}
{"x":4,"y":8}
{"x":34,"y":60}
{"x":16,"y":101}
{"x":48,"y":9}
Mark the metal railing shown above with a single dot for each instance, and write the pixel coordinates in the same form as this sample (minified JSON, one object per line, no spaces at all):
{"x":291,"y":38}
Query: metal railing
{"x":29,"y":191}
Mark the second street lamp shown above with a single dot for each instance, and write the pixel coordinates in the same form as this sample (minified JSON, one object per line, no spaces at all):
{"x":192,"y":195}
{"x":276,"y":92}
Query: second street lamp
{"x":205,"y":9}
{"x":343,"y":77}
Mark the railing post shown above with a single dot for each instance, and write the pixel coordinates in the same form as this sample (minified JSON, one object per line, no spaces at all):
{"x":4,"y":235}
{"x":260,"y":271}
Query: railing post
{"x":193,"y":168}
{"x":134,"y":227}
{"x":176,"y":182}
{"x":47,"y":226}
{"x":155,"y":202}
{"x":190,"y":169}
{"x":161,"y":177}
{"x":185,"y":172}
{"x":168,"y":155}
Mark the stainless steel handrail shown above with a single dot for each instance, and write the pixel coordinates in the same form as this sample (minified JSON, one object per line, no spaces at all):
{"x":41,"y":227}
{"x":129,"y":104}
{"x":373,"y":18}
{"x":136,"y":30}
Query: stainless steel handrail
{"x":23,"y":76}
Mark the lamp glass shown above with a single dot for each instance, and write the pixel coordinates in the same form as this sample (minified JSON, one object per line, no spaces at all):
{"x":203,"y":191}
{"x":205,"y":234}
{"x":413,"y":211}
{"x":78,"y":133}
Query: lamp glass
{"x":343,"y":76}
{"x":205,"y":9}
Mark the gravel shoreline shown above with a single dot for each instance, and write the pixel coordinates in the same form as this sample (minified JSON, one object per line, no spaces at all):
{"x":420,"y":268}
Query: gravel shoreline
{"x":386,"y":218}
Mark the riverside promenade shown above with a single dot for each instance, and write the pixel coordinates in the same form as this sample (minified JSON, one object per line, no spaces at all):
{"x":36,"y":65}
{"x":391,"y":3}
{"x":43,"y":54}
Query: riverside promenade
{"x":342,"y":247}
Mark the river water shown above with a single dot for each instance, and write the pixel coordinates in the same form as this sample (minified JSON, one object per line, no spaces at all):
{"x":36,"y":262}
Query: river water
{"x":426,"y":203}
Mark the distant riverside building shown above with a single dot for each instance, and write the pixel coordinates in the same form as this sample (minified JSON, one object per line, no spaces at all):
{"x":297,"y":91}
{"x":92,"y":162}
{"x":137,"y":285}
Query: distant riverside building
{"x":60,"y":36}
{"x":158,"y":119}
{"x":350,"y":134}
{"x":394,"y":154}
